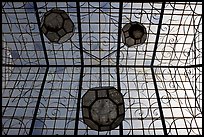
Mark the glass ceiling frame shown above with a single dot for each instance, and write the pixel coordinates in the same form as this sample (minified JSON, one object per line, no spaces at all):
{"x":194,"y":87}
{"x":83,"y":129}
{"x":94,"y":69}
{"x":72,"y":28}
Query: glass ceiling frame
{"x":162,"y":66}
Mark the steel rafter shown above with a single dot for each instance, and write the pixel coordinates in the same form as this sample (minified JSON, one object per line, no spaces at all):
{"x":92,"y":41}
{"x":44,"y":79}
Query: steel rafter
{"x":82,"y":69}
{"x":158,"y":33}
{"x":118,"y":54}
{"x":38,"y":102}
{"x":41,"y":34}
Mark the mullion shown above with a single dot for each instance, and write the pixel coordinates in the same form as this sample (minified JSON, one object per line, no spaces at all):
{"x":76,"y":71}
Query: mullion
{"x":192,"y":3}
{"x":194,"y":43}
{"x":132,"y":51}
{"x":104,"y":23}
{"x":100,"y":76}
{"x":38,"y":101}
{"x":147,"y":40}
{"x":32,"y":37}
{"x":131,"y":9}
{"x":124,"y":98}
{"x":110,"y":131}
{"x":82,"y":68}
{"x":131,"y":12}
{"x":109,"y":49}
{"x":50,"y":97}
{"x":23,"y":117}
{"x":135,"y":66}
{"x":159,"y":102}
{"x":158,"y":32}
{"x":118,"y":56}
{"x":90,"y":41}
{"x":85,"y":32}
{"x":149,"y":98}
{"x":41,"y":34}
{"x":70,"y":88}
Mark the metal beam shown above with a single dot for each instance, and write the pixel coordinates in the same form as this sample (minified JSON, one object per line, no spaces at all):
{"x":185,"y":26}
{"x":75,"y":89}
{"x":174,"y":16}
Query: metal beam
{"x":158,"y":33}
{"x":82,"y":69}
{"x":159,"y":102}
{"x":38,"y":102}
{"x":132,"y":66}
{"x":41,"y":34}
{"x":118,"y":55}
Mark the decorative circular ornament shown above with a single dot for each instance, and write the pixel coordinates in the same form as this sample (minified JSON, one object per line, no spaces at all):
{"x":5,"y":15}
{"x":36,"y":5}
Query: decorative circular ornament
{"x":134,"y":33}
{"x":103,"y":108}
{"x":57,"y":26}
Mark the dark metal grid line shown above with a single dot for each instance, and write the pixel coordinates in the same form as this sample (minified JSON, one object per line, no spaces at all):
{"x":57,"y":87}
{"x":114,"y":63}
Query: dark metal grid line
{"x":162,"y":34}
{"x":100,"y":76}
{"x":31,"y":34}
{"x":168,"y":117}
{"x":112,"y":12}
{"x":109,"y":49}
{"x":131,"y":117}
{"x":137,"y":47}
{"x":194,"y":43}
{"x":66,"y":118}
{"x":89,"y":30}
{"x":147,"y":41}
{"x":149,"y":98}
{"x":41,"y":34}
{"x":118,"y":56}
{"x":82,"y":69}
{"x":33,"y":23}
{"x":134,"y":66}
{"x":24,"y":115}
{"x":158,"y":33}
{"x":192,"y":3}
{"x":49,"y":100}
{"x":38,"y":102}
{"x":159,"y":102}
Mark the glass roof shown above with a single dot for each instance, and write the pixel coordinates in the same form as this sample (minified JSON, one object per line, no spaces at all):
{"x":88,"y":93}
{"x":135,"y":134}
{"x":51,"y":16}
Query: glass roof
{"x":161,"y":80}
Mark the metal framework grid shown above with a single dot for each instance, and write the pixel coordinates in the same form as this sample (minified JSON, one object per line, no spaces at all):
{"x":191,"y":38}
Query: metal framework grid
{"x":42,"y":82}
